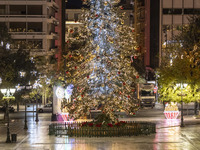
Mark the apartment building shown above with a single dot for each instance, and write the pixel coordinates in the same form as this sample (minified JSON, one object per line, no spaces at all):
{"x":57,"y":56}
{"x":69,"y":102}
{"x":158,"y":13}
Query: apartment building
{"x":32,"y":25}
{"x":174,"y":16}
{"x":146,"y":23}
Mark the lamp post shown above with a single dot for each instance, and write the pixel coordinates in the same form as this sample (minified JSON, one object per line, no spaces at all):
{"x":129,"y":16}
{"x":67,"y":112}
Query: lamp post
{"x":28,"y":87}
{"x":8,"y":94}
{"x":36,"y":86}
{"x":182,"y":86}
{"x":25,"y":117}
{"x":36,"y":119}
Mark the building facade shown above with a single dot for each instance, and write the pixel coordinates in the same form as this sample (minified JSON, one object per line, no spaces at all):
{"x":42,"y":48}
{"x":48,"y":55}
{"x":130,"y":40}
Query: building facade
{"x":60,"y":29}
{"x":32,"y":25}
{"x":174,"y":16}
{"x":146,"y":24}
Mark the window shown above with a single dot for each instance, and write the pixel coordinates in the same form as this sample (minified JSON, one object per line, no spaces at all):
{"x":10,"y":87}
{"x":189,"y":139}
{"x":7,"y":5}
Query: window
{"x":167,"y":11}
{"x":2,"y":9}
{"x":34,"y":26}
{"x":188,"y":11}
{"x":76,"y":17}
{"x":35,"y":10}
{"x":172,"y":11}
{"x":66,"y":16}
{"x":17,"y":9}
{"x":17,"y":27}
{"x":177,"y":11}
{"x":34,"y":44}
{"x":197,"y":11}
{"x":19,"y":44}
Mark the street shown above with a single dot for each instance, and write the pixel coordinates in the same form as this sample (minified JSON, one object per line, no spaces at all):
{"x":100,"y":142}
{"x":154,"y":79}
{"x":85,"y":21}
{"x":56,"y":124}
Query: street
{"x":168,"y":135}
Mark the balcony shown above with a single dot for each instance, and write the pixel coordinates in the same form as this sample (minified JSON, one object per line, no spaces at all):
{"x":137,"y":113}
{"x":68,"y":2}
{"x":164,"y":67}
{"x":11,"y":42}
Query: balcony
{"x":53,"y":4}
{"x":34,"y":2}
{"x":41,"y":52}
{"x":52,"y":36}
{"x":27,"y":33}
{"x":25,"y":0}
{"x":52,"y":20}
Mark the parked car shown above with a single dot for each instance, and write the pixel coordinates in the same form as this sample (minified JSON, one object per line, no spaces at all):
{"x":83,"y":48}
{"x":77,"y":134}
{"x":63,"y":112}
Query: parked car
{"x":45,"y":108}
{"x":11,"y":109}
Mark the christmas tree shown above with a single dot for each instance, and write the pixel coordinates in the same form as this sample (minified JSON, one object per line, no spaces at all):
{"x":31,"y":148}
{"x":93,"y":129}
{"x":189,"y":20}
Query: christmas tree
{"x":101,"y":69}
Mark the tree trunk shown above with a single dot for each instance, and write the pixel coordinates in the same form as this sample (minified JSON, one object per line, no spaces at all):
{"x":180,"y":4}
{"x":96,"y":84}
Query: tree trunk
{"x":17,"y":106}
{"x":43,"y":97}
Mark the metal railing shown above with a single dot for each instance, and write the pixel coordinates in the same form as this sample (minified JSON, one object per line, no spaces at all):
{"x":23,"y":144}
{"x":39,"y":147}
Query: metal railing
{"x":75,"y":129}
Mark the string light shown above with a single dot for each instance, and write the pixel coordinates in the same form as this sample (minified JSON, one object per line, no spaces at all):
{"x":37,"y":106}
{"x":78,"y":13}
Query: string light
{"x":102,"y":68}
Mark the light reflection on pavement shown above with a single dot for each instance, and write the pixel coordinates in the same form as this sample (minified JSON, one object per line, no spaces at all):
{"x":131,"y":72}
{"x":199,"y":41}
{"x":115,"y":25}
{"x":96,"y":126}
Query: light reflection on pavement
{"x":169,"y":136}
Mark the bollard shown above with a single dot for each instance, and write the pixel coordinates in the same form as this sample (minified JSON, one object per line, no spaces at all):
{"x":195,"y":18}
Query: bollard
{"x":14,"y":137}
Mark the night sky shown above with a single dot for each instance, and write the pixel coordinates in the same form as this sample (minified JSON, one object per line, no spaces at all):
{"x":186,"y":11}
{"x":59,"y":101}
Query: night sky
{"x":74,"y":3}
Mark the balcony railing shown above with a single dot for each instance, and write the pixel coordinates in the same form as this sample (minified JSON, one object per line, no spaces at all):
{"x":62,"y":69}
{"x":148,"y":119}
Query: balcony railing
{"x":24,"y":16}
{"x":53,"y":4}
{"x":41,"y":52}
{"x":27,"y":33}
{"x":23,"y":0}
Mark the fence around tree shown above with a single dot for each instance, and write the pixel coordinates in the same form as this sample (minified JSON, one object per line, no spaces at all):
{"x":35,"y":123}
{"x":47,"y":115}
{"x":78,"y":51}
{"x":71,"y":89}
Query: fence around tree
{"x":75,"y":129}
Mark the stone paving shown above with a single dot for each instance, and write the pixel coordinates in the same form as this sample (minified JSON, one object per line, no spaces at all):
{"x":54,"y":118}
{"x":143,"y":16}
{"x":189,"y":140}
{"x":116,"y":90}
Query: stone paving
{"x":169,"y":136}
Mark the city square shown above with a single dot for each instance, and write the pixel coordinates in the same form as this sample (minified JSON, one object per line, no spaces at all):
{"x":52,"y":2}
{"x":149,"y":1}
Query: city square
{"x":169,"y":134}
{"x":99,"y":74}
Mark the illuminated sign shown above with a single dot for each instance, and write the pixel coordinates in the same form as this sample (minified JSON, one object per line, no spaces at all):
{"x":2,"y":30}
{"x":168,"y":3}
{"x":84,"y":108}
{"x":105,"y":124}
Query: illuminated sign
{"x":60,"y":92}
{"x":64,"y":93}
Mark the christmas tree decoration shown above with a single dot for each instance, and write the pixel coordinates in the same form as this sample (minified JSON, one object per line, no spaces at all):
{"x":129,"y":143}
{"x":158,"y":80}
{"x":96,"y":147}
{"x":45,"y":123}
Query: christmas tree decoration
{"x":105,"y":3}
{"x":71,"y":31}
{"x":100,"y":68}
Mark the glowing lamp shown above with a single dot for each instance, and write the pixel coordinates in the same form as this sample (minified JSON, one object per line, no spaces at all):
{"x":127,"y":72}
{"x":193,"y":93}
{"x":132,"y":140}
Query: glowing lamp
{"x":60,"y":92}
{"x":12,"y":91}
{"x":3,"y":91}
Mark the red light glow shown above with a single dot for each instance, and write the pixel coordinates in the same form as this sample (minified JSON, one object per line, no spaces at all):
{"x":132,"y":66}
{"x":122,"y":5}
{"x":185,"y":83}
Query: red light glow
{"x":171,"y":114}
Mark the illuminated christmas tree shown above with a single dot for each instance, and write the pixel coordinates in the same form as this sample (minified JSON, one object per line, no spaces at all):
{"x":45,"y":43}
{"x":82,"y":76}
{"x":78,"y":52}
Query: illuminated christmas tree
{"x":100,"y":69}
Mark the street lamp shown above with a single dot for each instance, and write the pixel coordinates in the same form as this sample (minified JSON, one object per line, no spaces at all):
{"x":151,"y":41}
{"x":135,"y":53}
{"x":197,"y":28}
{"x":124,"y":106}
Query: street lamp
{"x":8,"y":94}
{"x":36,"y":119}
{"x":181,"y":85}
{"x":28,"y":87}
{"x":25,"y":118}
{"x":36,"y":86}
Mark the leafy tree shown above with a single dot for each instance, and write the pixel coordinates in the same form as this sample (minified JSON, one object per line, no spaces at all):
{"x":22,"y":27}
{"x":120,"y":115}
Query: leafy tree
{"x":190,"y":35}
{"x":177,"y":73}
{"x":184,"y":66}
{"x":13,"y":65}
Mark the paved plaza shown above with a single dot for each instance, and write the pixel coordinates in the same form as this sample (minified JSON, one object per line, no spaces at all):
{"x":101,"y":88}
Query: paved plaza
{"x":169,"y":135}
